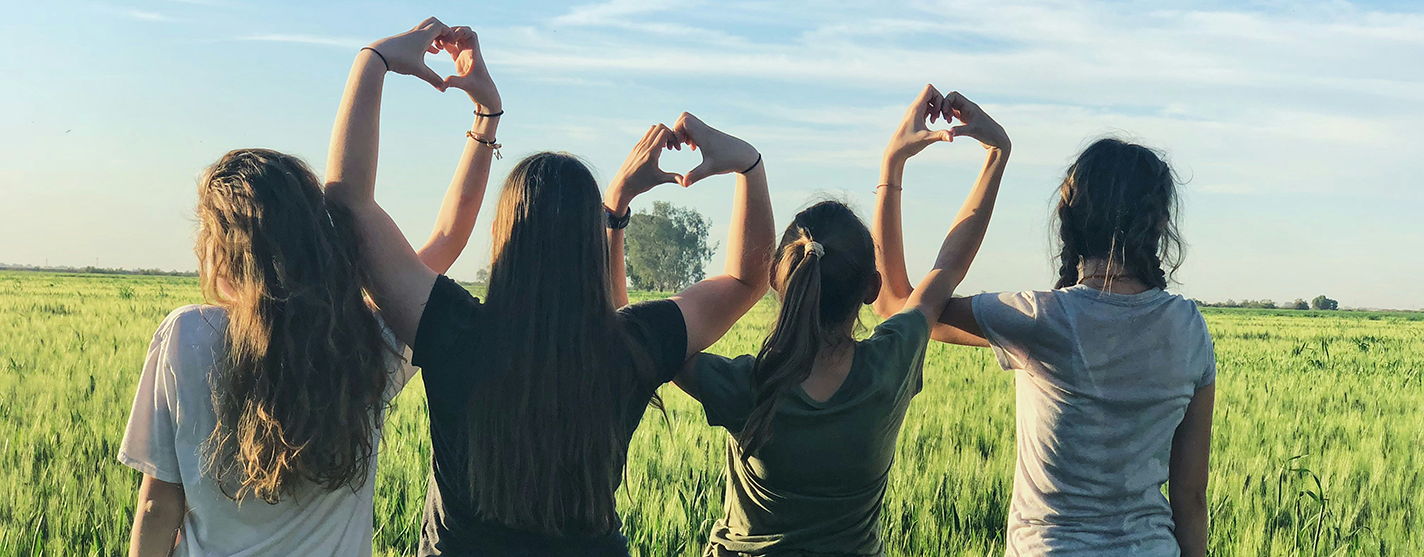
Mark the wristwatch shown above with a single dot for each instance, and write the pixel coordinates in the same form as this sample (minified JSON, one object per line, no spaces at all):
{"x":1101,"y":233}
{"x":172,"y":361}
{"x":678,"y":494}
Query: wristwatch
{"x":616,"y":222}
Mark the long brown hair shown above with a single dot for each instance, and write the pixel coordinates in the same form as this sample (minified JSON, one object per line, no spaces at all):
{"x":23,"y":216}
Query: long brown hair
{"x":1119,"y":202}
{"x":548,"y":439}
{"x":820,"y":295}
{"x":300,"y":388}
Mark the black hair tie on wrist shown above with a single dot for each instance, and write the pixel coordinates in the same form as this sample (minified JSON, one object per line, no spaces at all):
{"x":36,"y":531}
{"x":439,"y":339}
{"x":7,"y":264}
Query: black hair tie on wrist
{"x":494,"y":115}
{"x":754,"y":165}
{"x":378,"y":55}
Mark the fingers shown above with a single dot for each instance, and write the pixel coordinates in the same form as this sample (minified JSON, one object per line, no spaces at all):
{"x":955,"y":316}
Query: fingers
{"x":424,"y":72}
{"x":958,"y":106}
{"x":665,"y":138}
{"x":928,"y":97}
{"x":433,"y":26}
{"x":703,"y":170}
{"x":687,"y":128}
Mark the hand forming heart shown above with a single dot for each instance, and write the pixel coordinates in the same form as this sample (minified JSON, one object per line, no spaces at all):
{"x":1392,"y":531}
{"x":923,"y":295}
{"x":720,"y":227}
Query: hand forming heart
{"x":405,"y":54}
{"x":913,"y":134}
{"x":471,"y":74}
{"x":721,"y":154}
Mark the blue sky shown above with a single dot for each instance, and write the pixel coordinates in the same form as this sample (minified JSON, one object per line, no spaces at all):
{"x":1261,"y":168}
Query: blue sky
{"x":1298,"y":126}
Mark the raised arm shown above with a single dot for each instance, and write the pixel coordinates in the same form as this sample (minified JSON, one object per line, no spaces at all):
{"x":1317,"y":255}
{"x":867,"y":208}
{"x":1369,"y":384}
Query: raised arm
{"x":638,"y":174}
{"x":461,"y":205}
{"x":1187,"y":473}
{"x":400,"y":281}
{"x":911,"y":137}
{"x":967,"y":233}
{"x":713,"y":305}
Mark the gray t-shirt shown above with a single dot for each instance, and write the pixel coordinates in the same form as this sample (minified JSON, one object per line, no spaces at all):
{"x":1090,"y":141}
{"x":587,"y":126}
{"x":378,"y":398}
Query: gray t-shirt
{"x":172,"y":416}
{"x":1103,"y":381}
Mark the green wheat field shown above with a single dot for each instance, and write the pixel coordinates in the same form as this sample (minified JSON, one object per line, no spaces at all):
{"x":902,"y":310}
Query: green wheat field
{"x":1318,"y":444}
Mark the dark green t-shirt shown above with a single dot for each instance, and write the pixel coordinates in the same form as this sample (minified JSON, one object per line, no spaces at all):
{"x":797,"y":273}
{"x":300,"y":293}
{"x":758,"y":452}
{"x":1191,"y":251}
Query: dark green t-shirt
{"x":817,"y":487}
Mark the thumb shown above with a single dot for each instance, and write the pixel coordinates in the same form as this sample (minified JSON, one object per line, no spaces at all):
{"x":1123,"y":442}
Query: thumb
{"x":943,"y":135}
{"x":670,"y":178}
{"x":960,"y":131}
{"x":424,"y":72}
{"x":703,"y":170}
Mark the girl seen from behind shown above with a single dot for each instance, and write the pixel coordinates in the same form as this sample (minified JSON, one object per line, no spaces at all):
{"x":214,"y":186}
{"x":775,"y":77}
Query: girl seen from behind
{"x":1115,"y":376}
{"x":258,"y":418}
{"x":813,"y":418}
{"x":534,"y":393}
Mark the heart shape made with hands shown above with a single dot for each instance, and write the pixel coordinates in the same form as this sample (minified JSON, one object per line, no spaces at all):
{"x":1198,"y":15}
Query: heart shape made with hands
{"x":721,"y":153}
{"x":471,"y":74}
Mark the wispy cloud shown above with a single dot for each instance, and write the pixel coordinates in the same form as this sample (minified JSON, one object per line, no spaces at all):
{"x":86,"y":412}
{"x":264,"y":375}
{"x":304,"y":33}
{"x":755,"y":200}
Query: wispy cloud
{"x":1269,"y":98}
{"x":146,"y":16}
{"x":323,"y":40}
{"x":211,"y":3}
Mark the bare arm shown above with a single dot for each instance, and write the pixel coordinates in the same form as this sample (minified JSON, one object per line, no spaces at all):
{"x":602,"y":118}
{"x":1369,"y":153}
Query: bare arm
{"x":401,"y":282}
{"x":957,"y":325}
{"x":1187,"y":473}
{"x":713,"y":305}
{"x":157,"y":518}
{"x":461,"y":206}
{"x":966,"y":234}
{"x":638,"y":174}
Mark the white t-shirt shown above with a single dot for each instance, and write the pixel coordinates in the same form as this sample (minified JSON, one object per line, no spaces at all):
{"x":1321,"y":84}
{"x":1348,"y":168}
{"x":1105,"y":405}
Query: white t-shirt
{"x":1102,"y":382}
{"x":172,"y":416}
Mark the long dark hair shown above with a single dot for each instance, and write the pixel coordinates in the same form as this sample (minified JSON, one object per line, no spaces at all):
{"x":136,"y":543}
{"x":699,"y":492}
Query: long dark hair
{"x":820,"y":295}
{"x":548,"y":440}
{"x":299,"y":391}
{"x":1119,"y":202}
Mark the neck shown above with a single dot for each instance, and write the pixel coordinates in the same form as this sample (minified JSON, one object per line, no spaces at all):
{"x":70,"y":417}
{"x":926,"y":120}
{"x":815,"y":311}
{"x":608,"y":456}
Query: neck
{"x":1104,"y":275}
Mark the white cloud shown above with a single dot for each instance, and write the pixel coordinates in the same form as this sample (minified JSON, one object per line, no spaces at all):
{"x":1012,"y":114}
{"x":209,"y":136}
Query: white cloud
{"x":342,"y":42}
{"x":146,"y":16}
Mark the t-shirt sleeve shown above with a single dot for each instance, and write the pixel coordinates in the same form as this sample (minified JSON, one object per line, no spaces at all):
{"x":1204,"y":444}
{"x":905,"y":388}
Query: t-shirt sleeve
{"x":1006,"y":319}
{"x":149,"y":444}
{"x":1206,"y":357}
{"x":398,"y":359}
{"x":658,"y":327}
{"x":447,"y":325}
{"x":900,"y":343}
{"x":724,"y":387}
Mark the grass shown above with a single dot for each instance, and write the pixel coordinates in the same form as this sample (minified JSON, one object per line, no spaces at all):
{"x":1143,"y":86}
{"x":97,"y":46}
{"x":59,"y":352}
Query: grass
{"x":1317,"y":446}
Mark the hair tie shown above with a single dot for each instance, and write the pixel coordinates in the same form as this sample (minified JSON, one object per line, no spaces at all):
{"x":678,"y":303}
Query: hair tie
{"x":816,"y":248}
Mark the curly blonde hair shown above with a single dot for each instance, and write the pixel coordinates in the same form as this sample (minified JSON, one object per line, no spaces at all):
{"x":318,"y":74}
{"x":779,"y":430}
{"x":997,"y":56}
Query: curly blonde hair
{"x":300,"y":390}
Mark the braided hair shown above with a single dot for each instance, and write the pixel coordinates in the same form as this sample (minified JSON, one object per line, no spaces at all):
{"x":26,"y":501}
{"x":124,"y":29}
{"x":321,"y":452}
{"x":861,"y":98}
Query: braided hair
{"x":1119,"y":202}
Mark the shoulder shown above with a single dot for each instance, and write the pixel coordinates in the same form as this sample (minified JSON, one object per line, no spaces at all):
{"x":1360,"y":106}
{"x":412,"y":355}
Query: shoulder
{"x":657,"y":321}
{"x":1189,"y":316}
{"x":664,"y":311}
{"x":1014,"y":308}
{"x":723,"y":364}
{"x":194,"y":324}
{"x":658,"y":326}
{"x":909,"y":324}
{"x":448,"y":294}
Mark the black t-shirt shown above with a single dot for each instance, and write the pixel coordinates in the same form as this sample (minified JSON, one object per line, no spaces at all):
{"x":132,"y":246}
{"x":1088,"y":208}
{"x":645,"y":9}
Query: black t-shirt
{"x":448,"y":348}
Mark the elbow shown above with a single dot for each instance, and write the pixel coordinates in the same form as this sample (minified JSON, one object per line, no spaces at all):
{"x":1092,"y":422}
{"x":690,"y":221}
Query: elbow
{"x":161,"y":511}
{"x":1189,"y":503}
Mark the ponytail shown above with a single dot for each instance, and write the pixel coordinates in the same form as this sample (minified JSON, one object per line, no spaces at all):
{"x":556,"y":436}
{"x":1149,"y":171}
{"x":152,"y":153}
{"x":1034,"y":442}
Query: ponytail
{"x":787,"y":356}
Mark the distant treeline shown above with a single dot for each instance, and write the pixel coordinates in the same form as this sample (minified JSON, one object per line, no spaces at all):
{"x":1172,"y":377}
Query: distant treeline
{"x":97,"y":270}
{"x":1320,"y":302}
